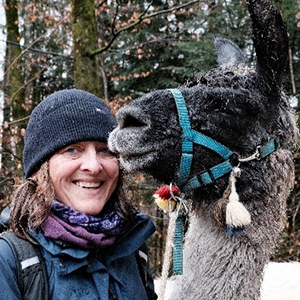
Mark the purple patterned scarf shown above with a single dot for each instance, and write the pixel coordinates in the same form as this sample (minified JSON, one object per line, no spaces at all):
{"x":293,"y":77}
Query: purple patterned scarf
{"x":65,"y":225}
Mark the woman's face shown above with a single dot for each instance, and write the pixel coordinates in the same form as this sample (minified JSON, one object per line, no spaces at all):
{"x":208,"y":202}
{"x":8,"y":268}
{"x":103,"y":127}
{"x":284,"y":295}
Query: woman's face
{"x":84,"y":176}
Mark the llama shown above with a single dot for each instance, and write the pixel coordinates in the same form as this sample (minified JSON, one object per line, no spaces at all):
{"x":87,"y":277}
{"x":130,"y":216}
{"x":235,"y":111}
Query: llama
{"x":246,"y":122}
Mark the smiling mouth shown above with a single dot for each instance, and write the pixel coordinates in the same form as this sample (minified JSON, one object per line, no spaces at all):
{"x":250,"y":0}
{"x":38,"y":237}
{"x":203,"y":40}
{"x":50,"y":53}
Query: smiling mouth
{"x":88,"y":185}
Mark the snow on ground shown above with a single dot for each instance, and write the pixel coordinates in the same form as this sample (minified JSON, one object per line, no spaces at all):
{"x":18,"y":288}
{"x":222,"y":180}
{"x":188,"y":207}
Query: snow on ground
{"x":281,"y":282}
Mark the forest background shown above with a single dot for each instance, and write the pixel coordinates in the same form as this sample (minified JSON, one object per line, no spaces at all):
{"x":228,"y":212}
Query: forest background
{"x":120,"y":50}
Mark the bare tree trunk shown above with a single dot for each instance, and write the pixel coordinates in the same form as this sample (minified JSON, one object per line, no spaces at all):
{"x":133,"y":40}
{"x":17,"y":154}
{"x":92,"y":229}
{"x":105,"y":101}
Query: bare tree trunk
{"x":86,"y":68}
{"x":12,"y":141}
{"x":31,"y":33}
{"x":104,"y":78}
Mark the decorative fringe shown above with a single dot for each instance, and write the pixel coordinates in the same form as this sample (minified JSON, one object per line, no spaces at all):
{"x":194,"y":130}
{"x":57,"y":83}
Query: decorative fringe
{"x":237,"y":216}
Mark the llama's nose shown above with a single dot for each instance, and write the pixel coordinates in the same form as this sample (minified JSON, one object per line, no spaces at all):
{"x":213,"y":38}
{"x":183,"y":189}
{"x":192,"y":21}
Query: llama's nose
{"x":131,"y":117}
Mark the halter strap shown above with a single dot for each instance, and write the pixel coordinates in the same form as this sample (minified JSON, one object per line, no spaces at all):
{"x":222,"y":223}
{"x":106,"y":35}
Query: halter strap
{"x":187,"y":145}
{"x":190,"y":136}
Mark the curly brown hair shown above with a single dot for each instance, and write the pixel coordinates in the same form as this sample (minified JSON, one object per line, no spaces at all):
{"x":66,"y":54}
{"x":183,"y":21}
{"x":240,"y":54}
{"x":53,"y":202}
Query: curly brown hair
{"x":31,"y":202}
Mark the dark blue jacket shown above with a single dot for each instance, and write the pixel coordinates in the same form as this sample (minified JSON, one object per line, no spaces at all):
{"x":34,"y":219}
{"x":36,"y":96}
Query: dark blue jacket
{"x":83,"y":274}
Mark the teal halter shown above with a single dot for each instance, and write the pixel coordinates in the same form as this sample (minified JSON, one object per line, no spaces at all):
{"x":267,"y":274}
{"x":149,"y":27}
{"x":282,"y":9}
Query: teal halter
{"x":190,"y":136}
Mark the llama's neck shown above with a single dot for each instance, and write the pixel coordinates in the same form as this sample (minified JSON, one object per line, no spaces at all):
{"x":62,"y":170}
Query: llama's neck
{"x":218,"y":266}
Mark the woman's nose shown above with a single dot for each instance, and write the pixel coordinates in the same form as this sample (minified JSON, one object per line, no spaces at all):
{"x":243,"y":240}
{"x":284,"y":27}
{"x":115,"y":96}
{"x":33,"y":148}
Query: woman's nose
{"x":91,"y":162}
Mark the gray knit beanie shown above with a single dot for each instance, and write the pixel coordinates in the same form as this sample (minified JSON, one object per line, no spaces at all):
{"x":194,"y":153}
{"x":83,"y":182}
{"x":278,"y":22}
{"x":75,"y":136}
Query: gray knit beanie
{"x":64,"y":118}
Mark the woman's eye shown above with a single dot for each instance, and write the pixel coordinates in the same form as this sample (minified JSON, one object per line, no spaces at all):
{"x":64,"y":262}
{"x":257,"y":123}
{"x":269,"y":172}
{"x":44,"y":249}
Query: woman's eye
{"x":71,"y":151}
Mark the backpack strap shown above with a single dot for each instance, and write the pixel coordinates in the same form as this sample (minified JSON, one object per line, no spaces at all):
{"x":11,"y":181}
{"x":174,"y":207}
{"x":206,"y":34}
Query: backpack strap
{"x":4,"y":218}
{"x":31,"y":270}
{"x":142,"y":261}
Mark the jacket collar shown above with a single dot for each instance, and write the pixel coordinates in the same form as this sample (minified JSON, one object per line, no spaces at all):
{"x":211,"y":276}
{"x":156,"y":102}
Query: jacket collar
{"x":127,"y":244}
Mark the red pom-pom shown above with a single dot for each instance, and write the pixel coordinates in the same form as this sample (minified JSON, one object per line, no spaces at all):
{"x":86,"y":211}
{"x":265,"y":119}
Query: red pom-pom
{"x":164,"y":192}
{"x":162,"y":196}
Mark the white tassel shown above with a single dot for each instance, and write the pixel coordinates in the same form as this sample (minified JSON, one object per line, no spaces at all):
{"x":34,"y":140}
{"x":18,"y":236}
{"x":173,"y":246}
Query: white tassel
{"x":237,"y":216}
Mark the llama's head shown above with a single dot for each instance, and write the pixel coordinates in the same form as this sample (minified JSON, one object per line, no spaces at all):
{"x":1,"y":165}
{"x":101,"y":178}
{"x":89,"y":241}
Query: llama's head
{"x":236,"y":105}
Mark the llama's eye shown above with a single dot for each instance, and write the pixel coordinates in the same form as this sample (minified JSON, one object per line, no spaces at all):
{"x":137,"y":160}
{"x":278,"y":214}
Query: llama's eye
{"x":227,"y":106}
{"x":217,"y":105}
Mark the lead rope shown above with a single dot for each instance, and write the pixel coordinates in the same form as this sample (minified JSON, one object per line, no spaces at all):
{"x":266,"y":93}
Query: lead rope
{"x":178,"y":246}
{"x":178,"y":235}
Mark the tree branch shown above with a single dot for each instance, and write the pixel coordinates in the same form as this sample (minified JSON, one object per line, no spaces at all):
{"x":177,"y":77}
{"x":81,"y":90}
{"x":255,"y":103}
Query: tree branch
{"x":142,"y":17}
{"x":114,"y":20}
{"x":38,"y":50}
{"x":11,"y":153}
{"x":166,"y":39}
{"x":30,"y":46}
{"x":28,"y":81}
{"x":17,"y":121}
{"x":10,"y":66}
{"x":229,"y":14}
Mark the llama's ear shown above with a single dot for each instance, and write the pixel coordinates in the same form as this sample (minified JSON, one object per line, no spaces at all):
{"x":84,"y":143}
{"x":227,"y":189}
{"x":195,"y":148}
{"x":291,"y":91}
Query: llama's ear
{"x":228,"y":52}
{"x":270,"y":41}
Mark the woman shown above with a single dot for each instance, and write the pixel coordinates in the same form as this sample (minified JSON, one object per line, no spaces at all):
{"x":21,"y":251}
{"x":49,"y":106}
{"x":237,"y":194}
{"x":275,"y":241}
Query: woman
{"x":72,"y":206}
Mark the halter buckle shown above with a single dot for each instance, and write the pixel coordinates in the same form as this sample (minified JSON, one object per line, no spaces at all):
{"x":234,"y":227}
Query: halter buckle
{"x":258,"y":153}
{"x":255,"y":156}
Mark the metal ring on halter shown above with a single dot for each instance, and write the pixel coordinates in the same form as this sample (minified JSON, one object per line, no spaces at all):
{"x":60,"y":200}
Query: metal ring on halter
{"x":172,"y":198}
{"x":182,"y":202}
{"x":171,"y":191}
